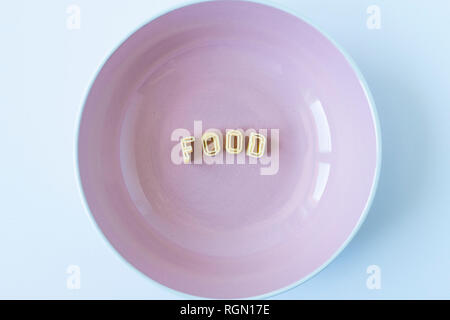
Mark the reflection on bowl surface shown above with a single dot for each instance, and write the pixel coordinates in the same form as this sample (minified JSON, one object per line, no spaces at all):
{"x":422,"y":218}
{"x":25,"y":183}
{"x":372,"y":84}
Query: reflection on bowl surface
{"x":234,"y":230}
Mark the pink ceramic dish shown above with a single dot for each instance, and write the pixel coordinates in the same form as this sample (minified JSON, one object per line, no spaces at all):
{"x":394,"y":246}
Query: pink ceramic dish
{"x":228,"y":231}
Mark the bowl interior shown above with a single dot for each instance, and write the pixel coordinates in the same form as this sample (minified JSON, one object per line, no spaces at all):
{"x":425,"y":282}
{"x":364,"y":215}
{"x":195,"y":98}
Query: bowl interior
{"x":227,"y":230}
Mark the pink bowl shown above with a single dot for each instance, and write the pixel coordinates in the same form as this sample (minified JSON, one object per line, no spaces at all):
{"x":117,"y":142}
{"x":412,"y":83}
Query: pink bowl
{"x":228,"y":231}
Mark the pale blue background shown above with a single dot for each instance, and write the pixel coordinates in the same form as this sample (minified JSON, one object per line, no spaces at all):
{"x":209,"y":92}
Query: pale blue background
{"x":45,"y":70}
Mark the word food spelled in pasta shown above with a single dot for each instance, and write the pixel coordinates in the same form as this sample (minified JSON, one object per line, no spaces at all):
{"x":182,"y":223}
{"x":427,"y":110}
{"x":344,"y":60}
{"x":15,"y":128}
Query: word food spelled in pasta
{"x":234,"y":144}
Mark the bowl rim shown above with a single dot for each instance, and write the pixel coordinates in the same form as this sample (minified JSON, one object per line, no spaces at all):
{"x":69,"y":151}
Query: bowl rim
{"x":372,"y":108}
